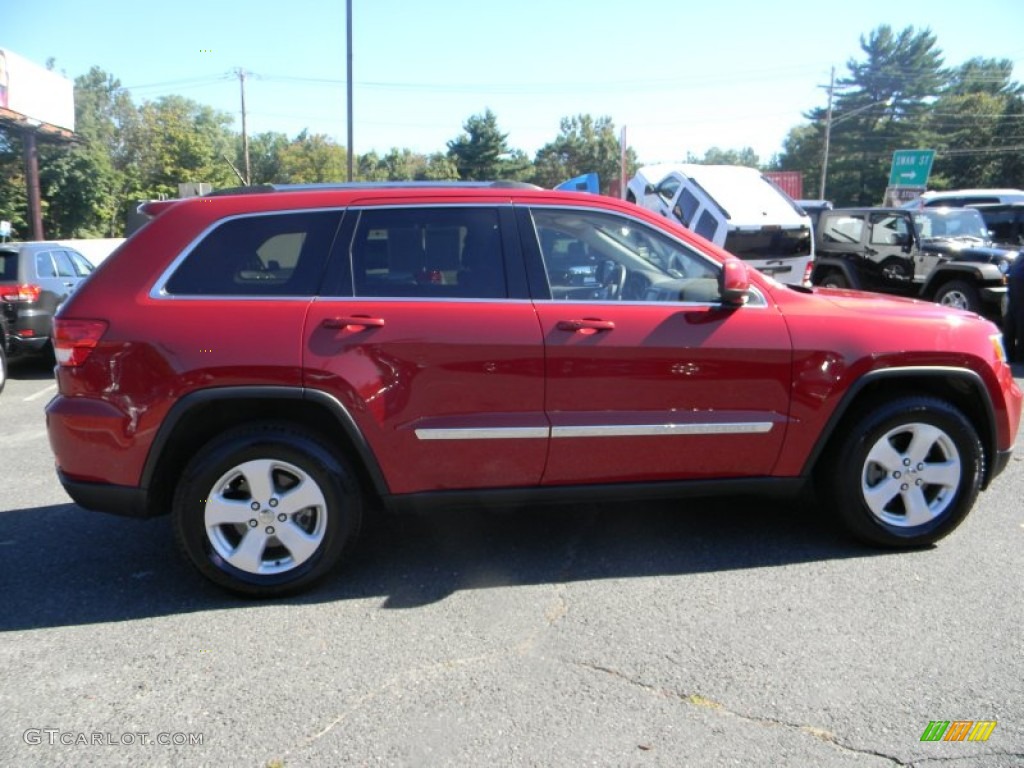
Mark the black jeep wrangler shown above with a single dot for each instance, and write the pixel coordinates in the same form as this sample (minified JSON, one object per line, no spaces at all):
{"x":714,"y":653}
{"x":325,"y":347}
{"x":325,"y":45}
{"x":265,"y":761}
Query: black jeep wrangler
{"x":939,"y":254}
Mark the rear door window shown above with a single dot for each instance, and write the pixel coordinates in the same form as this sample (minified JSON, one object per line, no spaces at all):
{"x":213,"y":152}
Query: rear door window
{"x":431,"y":253}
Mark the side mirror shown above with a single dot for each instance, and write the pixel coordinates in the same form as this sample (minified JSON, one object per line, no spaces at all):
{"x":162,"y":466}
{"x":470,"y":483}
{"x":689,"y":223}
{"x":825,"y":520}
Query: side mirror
{"x":735,"y":283}
{"x":648,"y":189}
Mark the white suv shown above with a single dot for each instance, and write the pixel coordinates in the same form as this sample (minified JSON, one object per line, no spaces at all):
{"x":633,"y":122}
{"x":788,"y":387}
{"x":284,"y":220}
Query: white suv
{"x":958,"y":198}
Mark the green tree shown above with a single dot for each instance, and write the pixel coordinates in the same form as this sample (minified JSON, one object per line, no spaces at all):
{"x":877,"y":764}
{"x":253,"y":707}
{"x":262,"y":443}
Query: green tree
{"x":178,"y":140}
{"x":440,"y":167}
{"x":265,"y":156}
{"x":978,"y":119}
{"x":880,"y":106}
{"x":717,"y":156}
{"x":583,"y":145}
{"x":313,"y":158}
{"x":478,"y":152}
{"x":13,"y":192}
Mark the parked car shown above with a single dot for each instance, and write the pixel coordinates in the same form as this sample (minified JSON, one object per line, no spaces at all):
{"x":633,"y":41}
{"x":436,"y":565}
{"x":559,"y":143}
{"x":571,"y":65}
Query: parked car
{"x":1005,"y":222}
{"x":262,"y":366}
{"x":939,"y":254}
{"x":734,"y":207}
{"x":959,"y":198}
{"x":35,"y":279}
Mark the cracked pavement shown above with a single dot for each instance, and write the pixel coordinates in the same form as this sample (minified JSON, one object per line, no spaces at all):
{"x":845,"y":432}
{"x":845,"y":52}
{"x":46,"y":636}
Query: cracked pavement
{"x":737,"y":632}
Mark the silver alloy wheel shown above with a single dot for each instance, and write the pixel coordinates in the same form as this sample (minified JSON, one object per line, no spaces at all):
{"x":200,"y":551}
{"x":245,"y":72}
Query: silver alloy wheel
{"x":911,"y":475}
{"x":955,"y":299}
{"x":265,"y":516}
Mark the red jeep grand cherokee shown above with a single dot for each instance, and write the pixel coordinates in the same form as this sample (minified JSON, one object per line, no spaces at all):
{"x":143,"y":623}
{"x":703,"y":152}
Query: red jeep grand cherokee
{"x":260,"y":365}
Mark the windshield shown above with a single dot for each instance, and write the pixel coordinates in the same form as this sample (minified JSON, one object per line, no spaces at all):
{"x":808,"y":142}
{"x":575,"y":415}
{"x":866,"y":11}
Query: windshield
{"x":951,"y":222}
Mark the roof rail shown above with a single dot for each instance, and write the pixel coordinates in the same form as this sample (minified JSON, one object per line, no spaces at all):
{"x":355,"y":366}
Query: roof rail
{"x":368,"y":185}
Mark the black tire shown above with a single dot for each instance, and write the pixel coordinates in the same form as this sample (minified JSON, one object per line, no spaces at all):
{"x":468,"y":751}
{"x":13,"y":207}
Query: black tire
{"x":876,"y":455}
{"x":834,"y":279}
{"x":224,"y":478}
{"x":3,"y":361}
{"x":959,"y":294}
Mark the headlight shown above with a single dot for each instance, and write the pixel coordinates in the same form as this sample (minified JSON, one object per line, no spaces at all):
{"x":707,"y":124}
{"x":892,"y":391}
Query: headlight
{"x":1004,"y":266}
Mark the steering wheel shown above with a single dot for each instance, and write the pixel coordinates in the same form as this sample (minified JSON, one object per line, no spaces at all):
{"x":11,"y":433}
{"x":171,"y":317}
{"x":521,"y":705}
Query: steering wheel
{"x":613,"y":278}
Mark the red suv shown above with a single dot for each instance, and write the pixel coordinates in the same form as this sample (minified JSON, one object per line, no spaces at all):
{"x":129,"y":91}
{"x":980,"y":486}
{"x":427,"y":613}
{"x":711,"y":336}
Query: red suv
{"x":262,"y":365}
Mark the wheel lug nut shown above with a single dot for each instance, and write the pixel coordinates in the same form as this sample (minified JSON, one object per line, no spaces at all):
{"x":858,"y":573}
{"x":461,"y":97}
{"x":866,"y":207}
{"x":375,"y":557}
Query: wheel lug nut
{"x":254,"y":506}
{"x":253,"y":523}
{"x":273,"y":502}
{"x":920,"y":467}
{"x":906,"y":462}
{"x":270,"y":530}
{"x":897,"y":474}
{"x":282,"y":517}
{"x":904,"y":487}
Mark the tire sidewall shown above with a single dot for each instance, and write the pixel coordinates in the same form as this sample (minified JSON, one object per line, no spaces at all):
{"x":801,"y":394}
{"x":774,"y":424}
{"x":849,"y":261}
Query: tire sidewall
{"x":341,"y":494}
{"x":849,"y":467}
{"x":968,"y":291}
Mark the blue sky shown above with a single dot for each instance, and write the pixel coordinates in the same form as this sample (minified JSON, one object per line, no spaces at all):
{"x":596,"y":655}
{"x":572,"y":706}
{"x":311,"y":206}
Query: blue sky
{"x":682,"y":76}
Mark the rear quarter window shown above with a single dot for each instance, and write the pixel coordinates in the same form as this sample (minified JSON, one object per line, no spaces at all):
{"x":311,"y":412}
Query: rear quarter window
{"x":263,"y":255}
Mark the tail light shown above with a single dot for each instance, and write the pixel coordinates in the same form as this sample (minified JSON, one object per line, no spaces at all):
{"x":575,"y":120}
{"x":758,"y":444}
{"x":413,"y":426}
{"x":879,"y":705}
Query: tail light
{"x":808,"y":271}
{"x":20,"y":292}
{"x":74,"y":340}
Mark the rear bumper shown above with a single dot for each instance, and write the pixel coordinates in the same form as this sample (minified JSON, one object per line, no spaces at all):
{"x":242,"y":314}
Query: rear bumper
{"x":103,"y":497}
{"x":33,"y":345}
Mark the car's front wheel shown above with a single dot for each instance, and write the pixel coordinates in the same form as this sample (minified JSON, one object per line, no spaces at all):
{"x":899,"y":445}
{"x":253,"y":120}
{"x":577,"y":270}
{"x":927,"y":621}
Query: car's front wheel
{"x":959,"y":294}
{"x":906,"y":473}
{"x":266,"y":510}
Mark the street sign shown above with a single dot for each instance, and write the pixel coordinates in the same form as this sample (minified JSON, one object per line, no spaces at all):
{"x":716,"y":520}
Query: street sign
{"x":911,"y":167}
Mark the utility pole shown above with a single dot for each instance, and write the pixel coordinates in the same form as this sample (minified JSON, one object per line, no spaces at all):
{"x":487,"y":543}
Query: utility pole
{"x":348,"y":24}
{"x":35,"y":215}
{"x":245,"y":135}
{"x":828,"y":134}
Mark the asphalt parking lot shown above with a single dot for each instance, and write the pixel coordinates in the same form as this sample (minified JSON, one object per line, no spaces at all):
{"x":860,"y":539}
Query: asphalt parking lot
{"x":738,"y":632}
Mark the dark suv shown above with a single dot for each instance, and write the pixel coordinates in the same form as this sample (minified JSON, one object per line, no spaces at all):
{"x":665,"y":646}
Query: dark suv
{"x":939,"y":254}
{"x":261,"y":365}
{"x":35,"y":279}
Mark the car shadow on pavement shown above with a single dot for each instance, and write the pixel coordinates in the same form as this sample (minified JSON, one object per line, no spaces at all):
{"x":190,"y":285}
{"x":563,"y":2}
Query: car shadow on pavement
{"x":65,"y":566}
{"x":35,"y":368}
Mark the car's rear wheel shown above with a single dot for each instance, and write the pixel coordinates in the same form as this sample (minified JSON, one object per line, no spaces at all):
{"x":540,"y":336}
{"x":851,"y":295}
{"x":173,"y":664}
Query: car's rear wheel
{"x":906,"y":473}
{"x":958,"y":294}
{"x":266,"y":510}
